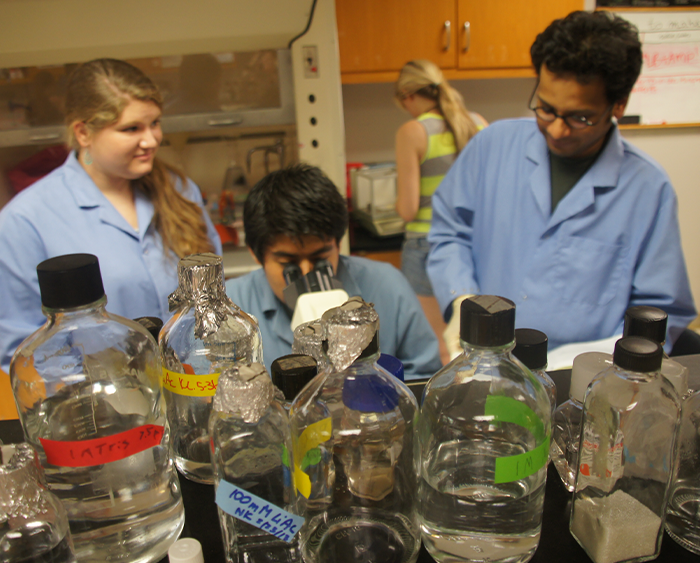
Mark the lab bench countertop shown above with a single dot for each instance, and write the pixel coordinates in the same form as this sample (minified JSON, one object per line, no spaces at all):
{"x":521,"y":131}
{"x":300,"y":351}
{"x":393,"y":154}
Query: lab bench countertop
{"x":556,"y":542}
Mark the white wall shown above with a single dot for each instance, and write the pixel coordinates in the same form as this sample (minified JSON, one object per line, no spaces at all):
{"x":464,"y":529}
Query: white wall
{"x":371,"y":120}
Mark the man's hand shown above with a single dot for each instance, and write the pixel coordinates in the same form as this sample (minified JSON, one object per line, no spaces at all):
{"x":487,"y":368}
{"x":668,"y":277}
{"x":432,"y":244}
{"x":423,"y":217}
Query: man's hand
{"x":451,"y":333}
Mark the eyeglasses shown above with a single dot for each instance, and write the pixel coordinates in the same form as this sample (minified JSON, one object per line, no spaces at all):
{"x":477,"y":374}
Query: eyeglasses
{"x":572,"y":121}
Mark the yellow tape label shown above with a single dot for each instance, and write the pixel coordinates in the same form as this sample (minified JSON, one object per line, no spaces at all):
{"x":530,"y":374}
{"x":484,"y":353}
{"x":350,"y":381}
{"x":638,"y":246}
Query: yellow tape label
{"x":192,"y":385}
{"x":306,"y":452}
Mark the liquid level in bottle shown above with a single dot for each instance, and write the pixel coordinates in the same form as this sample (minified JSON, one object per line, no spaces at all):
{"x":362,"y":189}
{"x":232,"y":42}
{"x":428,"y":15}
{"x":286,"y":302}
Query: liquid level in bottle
{"x":129,"y":509}
{"x":464,"y":517}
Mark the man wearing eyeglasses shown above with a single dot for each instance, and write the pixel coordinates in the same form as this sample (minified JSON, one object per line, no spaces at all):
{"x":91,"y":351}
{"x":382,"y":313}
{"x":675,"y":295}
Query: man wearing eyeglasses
{"x":559,"y":213}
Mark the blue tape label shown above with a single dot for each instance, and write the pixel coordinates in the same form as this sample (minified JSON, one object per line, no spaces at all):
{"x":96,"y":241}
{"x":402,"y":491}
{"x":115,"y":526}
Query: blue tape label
{"x":256,"y":511}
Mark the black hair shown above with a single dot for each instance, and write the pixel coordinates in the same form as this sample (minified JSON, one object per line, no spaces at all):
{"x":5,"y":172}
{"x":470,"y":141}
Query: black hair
{"x":592,"y":45}
{"x":295,"y":201}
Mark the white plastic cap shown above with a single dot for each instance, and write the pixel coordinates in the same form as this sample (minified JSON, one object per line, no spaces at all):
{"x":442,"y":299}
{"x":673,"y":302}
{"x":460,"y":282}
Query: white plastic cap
{"x":586,"y":367}
{"x":186,"y":550}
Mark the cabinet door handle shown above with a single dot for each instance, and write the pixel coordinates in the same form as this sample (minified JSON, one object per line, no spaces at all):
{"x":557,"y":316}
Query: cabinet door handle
{"x":448,"y":35}
{"x":467,"y":36}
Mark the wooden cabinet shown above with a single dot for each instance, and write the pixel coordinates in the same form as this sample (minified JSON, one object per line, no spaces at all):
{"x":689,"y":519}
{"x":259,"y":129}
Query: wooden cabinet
{"x":466,"y":38}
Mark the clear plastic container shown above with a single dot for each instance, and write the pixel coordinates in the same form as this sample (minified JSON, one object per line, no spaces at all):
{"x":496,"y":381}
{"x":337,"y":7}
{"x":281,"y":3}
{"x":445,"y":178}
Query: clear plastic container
{"x":683,"y":514}
{"x":531,"y":350}
{"x":249,"y":428}
{"x":627,"y":456}
{"x":650,"y":322}
{"x":207,"y":333}
{"x":566,"y":424}
{"x":352,"y":430}
{"x":483,"y":434}
{"x":33,"y":522}
{"x":87,"y":387}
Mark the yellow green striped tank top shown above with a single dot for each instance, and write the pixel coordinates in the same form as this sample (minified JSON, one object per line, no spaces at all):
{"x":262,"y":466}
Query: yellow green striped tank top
{"x":439,"y":156}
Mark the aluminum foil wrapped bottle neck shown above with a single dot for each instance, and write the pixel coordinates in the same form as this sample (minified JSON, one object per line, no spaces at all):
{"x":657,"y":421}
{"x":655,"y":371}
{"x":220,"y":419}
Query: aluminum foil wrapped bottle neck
{"x":349,"y":329}
{"x":245,"y":391}
{"x":308,"y":340}
{"x":201,"y":285}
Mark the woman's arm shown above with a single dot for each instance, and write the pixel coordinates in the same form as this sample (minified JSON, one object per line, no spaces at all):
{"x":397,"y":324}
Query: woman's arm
{"x":411,"y":144}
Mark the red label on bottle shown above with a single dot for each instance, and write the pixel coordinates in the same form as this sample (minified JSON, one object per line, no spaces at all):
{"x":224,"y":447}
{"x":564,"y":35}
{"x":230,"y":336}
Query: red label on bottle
{"x":86,"y":453}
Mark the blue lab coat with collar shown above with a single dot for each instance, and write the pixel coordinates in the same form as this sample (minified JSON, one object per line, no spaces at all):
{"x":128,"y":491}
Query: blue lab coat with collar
{"x":65,"y":213}
{"x":612,"y":242}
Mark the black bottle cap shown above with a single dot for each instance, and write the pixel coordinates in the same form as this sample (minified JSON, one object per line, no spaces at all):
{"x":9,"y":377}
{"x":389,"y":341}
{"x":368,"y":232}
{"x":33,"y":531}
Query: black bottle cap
{"x":531,"y":347}
{"x":291,"y":373}
{"x":634,"y":353}
{"x":648,"y":322}
{"x":372,"y":348}
{"x":487,"y":320}
{"x":151,"y":324}
{"x":69,"y":281}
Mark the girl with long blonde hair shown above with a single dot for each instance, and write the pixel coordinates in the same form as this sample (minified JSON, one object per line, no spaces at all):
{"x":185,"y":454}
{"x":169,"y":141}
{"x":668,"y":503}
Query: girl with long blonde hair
{"x":426,"y":147}
{"x":112,"y":198}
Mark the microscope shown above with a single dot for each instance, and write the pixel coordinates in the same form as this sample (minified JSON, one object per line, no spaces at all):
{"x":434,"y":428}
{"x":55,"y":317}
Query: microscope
{"x":311,"y":295}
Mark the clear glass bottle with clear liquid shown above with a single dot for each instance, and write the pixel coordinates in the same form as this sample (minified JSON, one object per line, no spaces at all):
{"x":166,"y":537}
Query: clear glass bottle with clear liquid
{"x":566,"y":424}
{"x":683,"y":513}
{"x":33,"y":522}
{"x":207,"y":333}
{"x":251,"y":440}
{"x":483,"y":437}
{"x":352,"y":431}
{"x":87,"y":387}
{"x":531,"y":350}
{"x":627,"y":456}
{"x":650,"y":322}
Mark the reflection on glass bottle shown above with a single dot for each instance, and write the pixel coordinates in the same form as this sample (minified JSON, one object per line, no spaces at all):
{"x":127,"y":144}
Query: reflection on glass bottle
{"x":33,"y":522}
{"x":249,"y":429}
{"x":483,"y":434}
{"x":627,"y":456}
{"x":683,"y":514}
{"x":207,"y":333}
{"x":566,"y":425}
{"x":87,"y":387}
{"x":352,"y":430}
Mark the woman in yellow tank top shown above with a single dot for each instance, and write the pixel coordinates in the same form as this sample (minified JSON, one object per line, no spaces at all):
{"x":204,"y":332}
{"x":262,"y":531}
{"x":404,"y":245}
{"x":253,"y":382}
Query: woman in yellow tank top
{"x":426,"y":147}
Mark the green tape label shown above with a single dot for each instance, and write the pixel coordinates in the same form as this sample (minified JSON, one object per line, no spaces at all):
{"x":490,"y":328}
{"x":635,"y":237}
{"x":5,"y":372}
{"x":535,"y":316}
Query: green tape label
{"x":516,"y":467}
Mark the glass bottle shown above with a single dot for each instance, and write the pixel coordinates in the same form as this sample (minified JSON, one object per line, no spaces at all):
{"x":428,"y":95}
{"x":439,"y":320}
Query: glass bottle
{"x":249,"y":429}
{"x":483,"y":434}
{"x":33,"y":522}
{"x":627,"y":456}
{"x":291,"y":373}
{"x":531,"y":350}
{"x":650,"y":322}
{"x":566,"y":425}
{"x":207,"y":333}
{"x":352,"y":431}
{"x":87,"y":387}
{"x":683,"y":514}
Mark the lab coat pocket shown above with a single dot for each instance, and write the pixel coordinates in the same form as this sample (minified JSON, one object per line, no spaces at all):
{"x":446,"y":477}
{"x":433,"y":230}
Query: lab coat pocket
{"x":588,"y":271}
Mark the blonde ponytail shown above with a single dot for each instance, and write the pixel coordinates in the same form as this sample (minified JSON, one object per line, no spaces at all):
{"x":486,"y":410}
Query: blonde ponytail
{"x":425,"y":79}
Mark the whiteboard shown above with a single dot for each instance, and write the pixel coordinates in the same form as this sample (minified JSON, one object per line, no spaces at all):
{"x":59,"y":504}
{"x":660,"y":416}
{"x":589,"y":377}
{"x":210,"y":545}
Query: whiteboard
{"x":668,"y":89}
